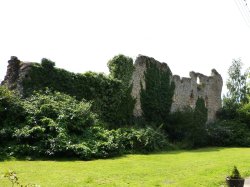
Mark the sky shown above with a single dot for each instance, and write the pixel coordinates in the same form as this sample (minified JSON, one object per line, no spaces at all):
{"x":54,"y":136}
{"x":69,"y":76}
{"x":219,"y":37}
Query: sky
{"x":82,"y":35}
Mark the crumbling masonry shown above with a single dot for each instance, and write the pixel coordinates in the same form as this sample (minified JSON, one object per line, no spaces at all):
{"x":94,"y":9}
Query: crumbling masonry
{"x":187,"y":90}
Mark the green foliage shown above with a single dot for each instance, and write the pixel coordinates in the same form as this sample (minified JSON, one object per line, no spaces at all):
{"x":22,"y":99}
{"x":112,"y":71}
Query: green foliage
{"x":11,"y":113}
{"x":179,"y":124}
{"x":235,"y":173}
{"x":238,"y":91}
{"x":243,"y":113}
{"x":229,"y":110}
{"x":121,"y":68}
{"x":105,"y":93}
{"x":144,"y":140}
{"x":233,"y":127}
{"x":237,"y":94}
{"x":189,"y":125}
{"x":229,"y":133}
{"x":47,"y":64}
{"x":237,"y":83}
{"x":53,"y":124}
{"x":156,"y":98}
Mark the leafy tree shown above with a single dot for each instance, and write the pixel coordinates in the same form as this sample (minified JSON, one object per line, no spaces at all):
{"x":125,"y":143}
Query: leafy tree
{"x":237,"y":83}
{"x":238,"y":91}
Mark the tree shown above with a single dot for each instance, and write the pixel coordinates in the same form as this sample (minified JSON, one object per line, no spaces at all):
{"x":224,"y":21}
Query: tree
{"x":238,"y":90}
{"x":237,"y":83}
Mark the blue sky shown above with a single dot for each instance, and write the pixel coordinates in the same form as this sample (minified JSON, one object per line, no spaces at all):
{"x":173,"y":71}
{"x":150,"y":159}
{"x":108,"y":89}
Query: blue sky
{"x":82,"y":35}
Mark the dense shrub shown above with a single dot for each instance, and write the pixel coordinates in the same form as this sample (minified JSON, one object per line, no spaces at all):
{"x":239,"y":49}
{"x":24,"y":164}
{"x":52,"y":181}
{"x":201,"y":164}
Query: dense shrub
{"x":52,"y":120}
{"x":189,"y":125}
{"x":229,"y":133}
{"x":244,"y":114}
{"x":104,"y":92}
{"x":144,"y":140}
{"x":11,"y":114}
{"x":47,"y":64}
{"x":53,"y":124}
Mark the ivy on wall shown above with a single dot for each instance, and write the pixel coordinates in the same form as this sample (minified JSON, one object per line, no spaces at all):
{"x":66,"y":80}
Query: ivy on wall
{"x":110,"y":95}
{"x":156,"y":98}
{"x":104,"y":92}
{"x":121,"y":68}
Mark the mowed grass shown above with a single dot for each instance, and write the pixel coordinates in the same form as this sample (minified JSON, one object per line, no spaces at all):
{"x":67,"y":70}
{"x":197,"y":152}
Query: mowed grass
{"x":202,"y":167}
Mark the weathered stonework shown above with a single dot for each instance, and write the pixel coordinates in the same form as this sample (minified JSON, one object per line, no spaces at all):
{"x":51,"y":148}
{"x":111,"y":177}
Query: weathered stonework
{"x":17,"y":71}
{"x":187,"y":90}
{"x":138,"y":79}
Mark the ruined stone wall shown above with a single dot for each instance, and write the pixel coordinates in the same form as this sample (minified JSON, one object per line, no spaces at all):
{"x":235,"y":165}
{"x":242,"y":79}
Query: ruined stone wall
{"x":187,"y":90}
{"x":17,"y":71}
{"x":138,"y":79}
{"x":138,"y":82}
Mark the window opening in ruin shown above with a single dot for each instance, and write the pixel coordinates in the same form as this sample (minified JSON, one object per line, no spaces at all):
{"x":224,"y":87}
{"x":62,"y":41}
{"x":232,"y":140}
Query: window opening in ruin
{"x":198,"y":80}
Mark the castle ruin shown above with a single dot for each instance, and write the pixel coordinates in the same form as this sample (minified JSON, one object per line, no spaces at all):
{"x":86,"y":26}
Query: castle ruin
{"x":186,"y":93}
{"x":187,"y":90}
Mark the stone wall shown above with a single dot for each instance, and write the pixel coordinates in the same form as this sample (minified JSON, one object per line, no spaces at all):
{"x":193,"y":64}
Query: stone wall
{"x":17,"y":71}
{"x":187,"y":90}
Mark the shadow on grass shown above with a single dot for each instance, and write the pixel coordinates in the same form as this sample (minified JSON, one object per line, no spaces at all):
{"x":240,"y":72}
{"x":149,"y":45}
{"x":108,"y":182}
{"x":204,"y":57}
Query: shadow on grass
{"x":76,"y":159}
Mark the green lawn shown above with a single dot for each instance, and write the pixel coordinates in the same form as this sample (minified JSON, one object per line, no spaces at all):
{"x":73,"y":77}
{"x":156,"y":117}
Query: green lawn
{"x":202,"y":167}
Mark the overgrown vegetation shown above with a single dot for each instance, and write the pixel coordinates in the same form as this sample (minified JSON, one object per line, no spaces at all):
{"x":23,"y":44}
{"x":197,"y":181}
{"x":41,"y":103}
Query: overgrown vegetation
{"x":90,"y":115}
{"x":156,"y":98}
{"x":121,"y":68}
{"x":53,"y":124}
{"x":232,"y":127}
{"x":188,"y":127}
{"x":105,"y":93}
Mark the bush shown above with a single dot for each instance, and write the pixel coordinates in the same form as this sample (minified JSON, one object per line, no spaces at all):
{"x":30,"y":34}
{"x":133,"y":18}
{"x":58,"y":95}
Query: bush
{"x":52,"y":120}
{"x":244,"y":114}
{"x":55,"y":124}
{"x":144,"y":140}
{"x":189,"y":125}
{"x":47,"y":64}
{"x":11,"y":114}
{"x":229,"y":133}
{"x":103,"y":92}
